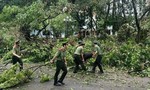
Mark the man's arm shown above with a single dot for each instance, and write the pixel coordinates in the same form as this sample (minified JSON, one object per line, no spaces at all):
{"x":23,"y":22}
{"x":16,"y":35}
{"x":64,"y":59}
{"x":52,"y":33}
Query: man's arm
{"x":14,"y":53}
{"x":82,"y":55}
{"x":94,"y":54}
{"x":65,"y":60}
{"x":53,"y":59}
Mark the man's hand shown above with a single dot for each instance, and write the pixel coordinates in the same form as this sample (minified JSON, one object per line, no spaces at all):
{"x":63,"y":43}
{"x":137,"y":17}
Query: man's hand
{"x":82,"y":60}
{"x":51,"y":61}
{"x":93,"y":56}
{"x":19,"y":56}
{"x":66,"y":63}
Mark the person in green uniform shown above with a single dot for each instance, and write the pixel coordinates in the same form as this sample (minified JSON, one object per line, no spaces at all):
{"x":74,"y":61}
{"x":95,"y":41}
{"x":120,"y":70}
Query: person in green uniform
{"x":97,"y":53}
{"x":17,"y":54}
{"x":61,"y":64}
{"x":78,"y":57}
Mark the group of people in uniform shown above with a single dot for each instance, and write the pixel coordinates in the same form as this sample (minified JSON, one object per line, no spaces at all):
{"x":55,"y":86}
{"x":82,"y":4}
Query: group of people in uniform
{"x":60,"y":57}
{"x":79,"y":58}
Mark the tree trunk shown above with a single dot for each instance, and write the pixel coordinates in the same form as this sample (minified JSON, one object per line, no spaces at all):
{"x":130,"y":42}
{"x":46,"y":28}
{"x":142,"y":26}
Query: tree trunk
{"x":123,"y":10}
{"x":108,"y":9}
{"x":114,"y":15}
{"x":137,"y":22}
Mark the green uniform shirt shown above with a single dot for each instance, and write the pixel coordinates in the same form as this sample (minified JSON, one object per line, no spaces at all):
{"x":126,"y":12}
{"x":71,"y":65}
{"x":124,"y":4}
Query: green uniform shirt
{"x":60,"y":55}
{"x":97,"y":49}
{"x":16,"y":50}
{"x":79,"y":50}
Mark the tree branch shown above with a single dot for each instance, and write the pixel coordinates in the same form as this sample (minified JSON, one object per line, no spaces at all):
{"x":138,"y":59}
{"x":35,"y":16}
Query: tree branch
{"x":146,"y":11}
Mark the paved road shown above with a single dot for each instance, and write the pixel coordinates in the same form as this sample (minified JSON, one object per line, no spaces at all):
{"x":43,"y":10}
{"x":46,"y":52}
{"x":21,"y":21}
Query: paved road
{"x":112,"y":79}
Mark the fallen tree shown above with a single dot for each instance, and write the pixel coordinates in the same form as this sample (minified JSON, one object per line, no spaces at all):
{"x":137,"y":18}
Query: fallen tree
{"x":10,"y":77}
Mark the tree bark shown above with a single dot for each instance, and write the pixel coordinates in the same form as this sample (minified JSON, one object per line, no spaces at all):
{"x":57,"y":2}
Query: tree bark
{"x":137,"y":22}
{"x":114,"y":15}
{"x":108,"y":9}
{"x":123,"y":10}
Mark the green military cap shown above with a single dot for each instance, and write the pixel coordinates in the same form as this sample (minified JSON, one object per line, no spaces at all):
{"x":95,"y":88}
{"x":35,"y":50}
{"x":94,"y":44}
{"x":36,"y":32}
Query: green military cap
{"x":79,"y":42}
{"x":82,"y":43}
{"x":17,"y":41}
{"x":96,"y":42}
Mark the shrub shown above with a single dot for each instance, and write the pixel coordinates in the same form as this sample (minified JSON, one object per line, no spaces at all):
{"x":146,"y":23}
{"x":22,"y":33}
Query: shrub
{"x":132,"y":56}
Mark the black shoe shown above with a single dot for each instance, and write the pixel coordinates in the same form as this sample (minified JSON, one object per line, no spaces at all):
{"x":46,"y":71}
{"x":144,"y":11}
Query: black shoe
{"x":62,"y":83}
{"x":74,"y":71}
{"x":92,"y":71}
{"x":100,"y":72}
{"x":57,"y":84}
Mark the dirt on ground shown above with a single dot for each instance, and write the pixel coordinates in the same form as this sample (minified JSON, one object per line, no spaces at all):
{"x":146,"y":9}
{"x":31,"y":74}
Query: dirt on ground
{"x":112,"y":79}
